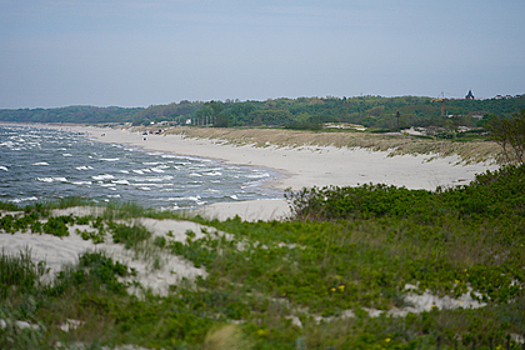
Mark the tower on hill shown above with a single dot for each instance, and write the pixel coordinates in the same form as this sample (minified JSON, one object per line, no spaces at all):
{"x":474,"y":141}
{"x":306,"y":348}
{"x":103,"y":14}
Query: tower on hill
{"x":469,"y":95}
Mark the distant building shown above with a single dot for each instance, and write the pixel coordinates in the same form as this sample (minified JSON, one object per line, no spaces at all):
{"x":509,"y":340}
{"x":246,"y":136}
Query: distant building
{"x":469,"y":95}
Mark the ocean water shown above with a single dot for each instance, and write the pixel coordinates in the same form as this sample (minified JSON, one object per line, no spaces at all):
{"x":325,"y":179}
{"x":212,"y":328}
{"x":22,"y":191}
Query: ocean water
{"x":39,"y":164}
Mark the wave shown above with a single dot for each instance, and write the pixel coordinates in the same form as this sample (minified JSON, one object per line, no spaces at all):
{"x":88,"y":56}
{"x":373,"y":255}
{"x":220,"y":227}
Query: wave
{"x":52,"y":179}
{"x":257,"y":176}
{"x":81,"y":183}
{"x":84,"y":167}
{"x":40,"y":163}
{"x":3,"y":168}
{"x":18,"y":200}
{"x":120,"y":182}
{"x":106,"y":185}
{"x":141,"y":171}
{"x":157,"y":178}
{"x":102,"y":177}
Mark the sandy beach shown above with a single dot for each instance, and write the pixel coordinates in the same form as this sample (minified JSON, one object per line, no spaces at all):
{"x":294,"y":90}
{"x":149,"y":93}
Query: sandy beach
{"x":305,"y":166}
{"x":299,"y":166}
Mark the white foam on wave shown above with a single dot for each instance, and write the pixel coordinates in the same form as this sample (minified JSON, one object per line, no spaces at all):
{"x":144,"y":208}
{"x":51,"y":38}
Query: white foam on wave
{"x":257,"y":176}
{"x":40,"y":163}
{"x":120,"y":182}
{"x":3,"y":168}
{"x":142,"y":171}
{"x":213,"y":173}
{"x":192,"y":198}
{"x":195,"y":174}
{"x":102,"y":177}
{"x":157,"y":170}
{"x":52,"y":179}
{"x":8,"y":144}
{"x":110,"y":159}
{"x":145,"y":188}
{"x":18,"y":200}
{"x":84,"y":167}
{"x":67,"y":155}
{"x":106,"y":185}
{"x":124,"y":171}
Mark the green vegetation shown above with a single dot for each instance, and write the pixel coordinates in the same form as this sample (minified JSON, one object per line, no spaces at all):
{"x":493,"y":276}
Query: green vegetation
{"x":510,"y":134}
{"x":345,"y":249}
{"x":305,"y":113}
{"x":72,"y":114}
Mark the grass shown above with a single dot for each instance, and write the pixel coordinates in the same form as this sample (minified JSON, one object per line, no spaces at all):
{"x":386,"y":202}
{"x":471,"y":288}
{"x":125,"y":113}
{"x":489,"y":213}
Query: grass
{"x":346,"y":249}
{"x":468,"y":152}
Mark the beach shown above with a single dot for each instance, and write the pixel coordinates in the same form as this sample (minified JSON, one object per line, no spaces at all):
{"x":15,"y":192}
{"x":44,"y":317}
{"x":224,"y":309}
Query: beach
{"x":301,"y":166}
{"x":159,"y":270}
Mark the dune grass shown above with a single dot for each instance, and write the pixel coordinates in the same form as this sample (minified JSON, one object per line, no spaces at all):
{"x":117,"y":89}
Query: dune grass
{"x":467,"y":151}
{"x":289,"y":285}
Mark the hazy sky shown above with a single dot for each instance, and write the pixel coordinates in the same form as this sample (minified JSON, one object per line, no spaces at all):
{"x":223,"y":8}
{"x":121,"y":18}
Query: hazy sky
{"x":141,"y":53}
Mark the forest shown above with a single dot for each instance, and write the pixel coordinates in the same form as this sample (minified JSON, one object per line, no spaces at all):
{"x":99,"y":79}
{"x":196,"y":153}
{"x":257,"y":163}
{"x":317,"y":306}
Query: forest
{"x":379,"y":114}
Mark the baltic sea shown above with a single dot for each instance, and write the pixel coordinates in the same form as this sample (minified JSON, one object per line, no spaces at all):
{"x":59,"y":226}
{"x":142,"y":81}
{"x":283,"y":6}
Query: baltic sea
{"x":38,"y":164}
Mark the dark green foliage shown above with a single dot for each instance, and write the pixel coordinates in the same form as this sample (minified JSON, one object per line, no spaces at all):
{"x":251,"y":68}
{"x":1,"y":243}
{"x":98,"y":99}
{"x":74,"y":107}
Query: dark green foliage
{"x":9,"y":206}
{"x":128,"y":235}
{"x":304,"y":126}
{"x":20,"y":272}
{"x":370,"y":111}
{"x":12,"y":224}
{"x":56,"y":226}
{"x":510,"y":134}
{"x":104,"y":271}
{"x":221,"y":122}
{"x":71,"y":114}
{"x":499,"y":194}
{"x":362,"y":248}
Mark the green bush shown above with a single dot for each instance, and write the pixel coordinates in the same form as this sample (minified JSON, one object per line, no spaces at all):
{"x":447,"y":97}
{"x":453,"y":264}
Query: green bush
{"x":56,"y":226}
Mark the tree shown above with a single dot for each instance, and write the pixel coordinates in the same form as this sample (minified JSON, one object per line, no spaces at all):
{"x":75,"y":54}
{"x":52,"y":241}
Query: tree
{"x":221,"y":121}
{"x":510,"y":134}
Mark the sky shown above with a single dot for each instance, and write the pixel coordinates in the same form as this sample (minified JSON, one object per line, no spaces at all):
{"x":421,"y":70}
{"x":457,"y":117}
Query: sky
{"x":132,"y":53}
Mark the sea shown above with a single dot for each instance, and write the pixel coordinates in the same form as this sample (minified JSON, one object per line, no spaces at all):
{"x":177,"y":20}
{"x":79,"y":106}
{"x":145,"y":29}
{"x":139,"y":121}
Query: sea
{"x":41,"y":165}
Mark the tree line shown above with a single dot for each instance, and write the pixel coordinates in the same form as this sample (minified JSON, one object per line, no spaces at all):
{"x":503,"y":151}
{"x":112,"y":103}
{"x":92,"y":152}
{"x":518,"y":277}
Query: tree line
{"x":373,"y":112}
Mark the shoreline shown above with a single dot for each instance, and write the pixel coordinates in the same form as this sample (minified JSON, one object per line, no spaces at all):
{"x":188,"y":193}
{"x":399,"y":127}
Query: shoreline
{"x":304,"y":166}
